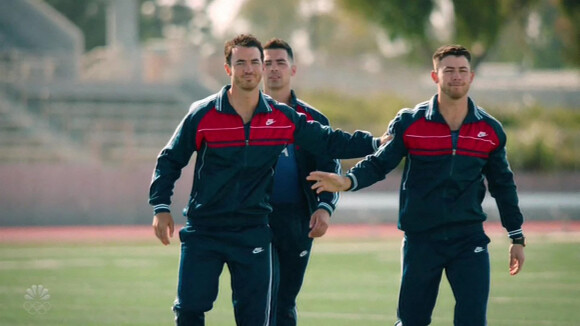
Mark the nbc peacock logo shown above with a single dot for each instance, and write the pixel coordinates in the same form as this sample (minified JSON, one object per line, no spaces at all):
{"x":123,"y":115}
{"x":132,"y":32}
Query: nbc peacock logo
{"x":37,"y":300}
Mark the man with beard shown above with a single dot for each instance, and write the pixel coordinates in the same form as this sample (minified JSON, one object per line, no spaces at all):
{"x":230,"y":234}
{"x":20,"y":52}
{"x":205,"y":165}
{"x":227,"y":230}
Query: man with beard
{"x":299,"y":213}
{"x":450,"y":146}
{"x":238,"y":134}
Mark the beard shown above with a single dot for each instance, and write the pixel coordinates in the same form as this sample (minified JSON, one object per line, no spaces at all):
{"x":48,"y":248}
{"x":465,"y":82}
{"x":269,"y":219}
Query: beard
{"x":455,"y":92}
{"x":247,"y":84}
{"x":275,"y":85}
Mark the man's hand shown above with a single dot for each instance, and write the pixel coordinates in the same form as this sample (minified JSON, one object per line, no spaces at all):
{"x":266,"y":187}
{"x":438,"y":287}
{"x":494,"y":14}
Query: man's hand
{"x":331,"y":182}
{"x":385,"y":138}
{"x":162,"y":222}
{"x":319,"y":222}
{"x":516,"y":258}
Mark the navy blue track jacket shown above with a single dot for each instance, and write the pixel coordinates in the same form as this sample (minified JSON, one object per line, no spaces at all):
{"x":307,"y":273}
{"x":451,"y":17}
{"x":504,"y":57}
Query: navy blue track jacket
{"x":235,"y":162}
{"x":443,"y":183}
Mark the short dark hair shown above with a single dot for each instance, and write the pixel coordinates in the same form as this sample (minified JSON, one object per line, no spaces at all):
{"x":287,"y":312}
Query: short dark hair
{"x":245,"y":40}
{"x":451,"y":49}
{"x":277,"y":43}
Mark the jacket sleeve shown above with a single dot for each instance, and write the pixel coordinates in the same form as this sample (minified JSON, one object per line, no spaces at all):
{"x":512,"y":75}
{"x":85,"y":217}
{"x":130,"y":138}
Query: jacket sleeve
{"x":327,"y":200}
{"x":172,"y":159}
{"x":502,"y":187}
{"x":375,"y":167}
{"x":323,"y":140}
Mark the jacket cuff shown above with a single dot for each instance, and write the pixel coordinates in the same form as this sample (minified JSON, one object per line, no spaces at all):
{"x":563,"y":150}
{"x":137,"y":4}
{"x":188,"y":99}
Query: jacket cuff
{"x":376,"y":143}
{"x":516,"y":234}
{"x":353,"y":182}
{"x":326,"y":207}
{"x":161,"y":208}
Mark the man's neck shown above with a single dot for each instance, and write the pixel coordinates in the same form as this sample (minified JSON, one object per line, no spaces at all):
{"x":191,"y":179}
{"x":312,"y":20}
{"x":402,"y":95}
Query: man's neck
{"x":453,"y":111}
{"x":282,"y":95}
{"x":244,"y":102}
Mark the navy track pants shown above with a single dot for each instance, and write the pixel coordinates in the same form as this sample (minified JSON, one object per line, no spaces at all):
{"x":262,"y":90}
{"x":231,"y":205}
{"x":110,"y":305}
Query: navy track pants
{"x":247,"y":251}
{"x":465,"y":261}
{"x":290,"y":225}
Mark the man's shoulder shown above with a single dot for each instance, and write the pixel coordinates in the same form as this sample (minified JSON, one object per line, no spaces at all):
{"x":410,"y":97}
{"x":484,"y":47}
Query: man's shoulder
{"x":304,"y":107}
{"x":482,"y":114}
{"x":414,"y":113}
{"x":275,"y":105}
{"x":308,"y":107}
{"x":204,"y":104}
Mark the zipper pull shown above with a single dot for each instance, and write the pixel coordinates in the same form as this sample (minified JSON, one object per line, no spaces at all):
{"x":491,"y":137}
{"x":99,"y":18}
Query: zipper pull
{"x":453,"y":152}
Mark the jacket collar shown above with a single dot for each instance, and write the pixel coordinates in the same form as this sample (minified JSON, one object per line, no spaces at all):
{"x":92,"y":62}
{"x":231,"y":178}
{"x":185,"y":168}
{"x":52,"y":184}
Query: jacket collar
{"x":433,"y":113}
{"x":293,"y":100}
{"x":223,"y":104}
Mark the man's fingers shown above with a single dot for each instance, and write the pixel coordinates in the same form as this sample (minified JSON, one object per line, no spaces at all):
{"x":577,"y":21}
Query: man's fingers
{"x":163,"y":226}
{"x":161,"y":233}
{"x":171,"y":229}
{"x":316,"y":231}
{"x":313,"y":225}
{"x":316,"y":175}
{"x":515,"y":266}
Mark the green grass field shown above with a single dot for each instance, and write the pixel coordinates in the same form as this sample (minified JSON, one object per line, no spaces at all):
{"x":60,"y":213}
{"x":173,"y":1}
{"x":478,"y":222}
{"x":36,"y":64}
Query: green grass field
{"x":349,"y":282}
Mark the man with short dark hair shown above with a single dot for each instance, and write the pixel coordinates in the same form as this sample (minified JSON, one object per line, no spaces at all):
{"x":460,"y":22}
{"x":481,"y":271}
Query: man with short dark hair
{"x":238,"y":134}
{"x":450,"y":146}
{"x":299,"y":214}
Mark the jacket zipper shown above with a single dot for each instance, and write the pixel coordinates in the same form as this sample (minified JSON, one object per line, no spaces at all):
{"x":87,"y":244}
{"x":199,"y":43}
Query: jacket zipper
{"x":453,"y":150}
{"x":245,"y":158}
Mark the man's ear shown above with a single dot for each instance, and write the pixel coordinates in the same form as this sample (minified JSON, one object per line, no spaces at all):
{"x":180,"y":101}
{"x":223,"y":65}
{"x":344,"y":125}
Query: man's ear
{"x":293,"y":70}
{"x":434,"y":76}
{"x":228,"y":69}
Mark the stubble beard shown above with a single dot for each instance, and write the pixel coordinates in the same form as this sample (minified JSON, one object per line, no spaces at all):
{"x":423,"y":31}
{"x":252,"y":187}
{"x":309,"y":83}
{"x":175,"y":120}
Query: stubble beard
{"x":454,"y":93}
{"x":247,"y":85}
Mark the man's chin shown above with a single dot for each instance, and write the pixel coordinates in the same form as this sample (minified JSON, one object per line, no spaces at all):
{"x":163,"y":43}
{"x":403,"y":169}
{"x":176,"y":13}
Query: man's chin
{"x":274,"y":86}
{"x":248,"y":86}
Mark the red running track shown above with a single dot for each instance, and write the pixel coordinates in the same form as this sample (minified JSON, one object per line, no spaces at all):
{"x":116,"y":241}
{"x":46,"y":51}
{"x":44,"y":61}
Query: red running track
{"x":133,"y":233}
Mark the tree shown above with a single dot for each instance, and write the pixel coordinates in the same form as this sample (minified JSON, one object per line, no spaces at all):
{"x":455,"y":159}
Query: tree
{"x":476,"y":25}
{"x":570,"y":29}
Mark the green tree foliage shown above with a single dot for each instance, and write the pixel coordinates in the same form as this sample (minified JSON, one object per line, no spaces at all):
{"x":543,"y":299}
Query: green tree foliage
{"x":570,"y":29}
{"x":404,"y":19}
{"x":477,"y":25}
{"x":331,"y":34}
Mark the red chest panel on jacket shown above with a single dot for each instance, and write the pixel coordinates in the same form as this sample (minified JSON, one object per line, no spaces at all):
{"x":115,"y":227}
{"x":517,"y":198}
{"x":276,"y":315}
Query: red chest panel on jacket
{"x":218,"y":129}
{"x":428,"y":138}
{"x":271,"y":129}
{"x":431,"y":139}
{"x":477,"y":139}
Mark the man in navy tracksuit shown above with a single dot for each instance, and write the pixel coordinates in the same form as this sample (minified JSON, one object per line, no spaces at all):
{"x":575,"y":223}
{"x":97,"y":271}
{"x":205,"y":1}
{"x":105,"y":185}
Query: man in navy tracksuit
{"x":450,"y":146}
{"x":299,"y":213}
{"x":238,"y":135}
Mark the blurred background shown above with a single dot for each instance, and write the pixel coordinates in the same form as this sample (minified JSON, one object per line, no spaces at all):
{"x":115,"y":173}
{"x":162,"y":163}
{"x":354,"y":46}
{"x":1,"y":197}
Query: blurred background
{"x":91,"y":90}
